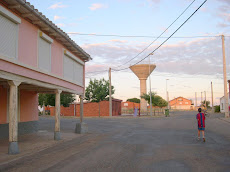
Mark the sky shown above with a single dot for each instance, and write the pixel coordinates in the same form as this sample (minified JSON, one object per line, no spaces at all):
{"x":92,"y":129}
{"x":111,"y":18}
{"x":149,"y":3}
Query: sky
{"x":190,"y":60}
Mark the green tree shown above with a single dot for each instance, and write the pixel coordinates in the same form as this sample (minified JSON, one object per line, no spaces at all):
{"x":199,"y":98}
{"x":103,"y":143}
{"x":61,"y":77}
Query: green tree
{"x":135,"y":100}
{"x":67,"y":99}
{"x":49,"y":99}
{"x":207,"y":104}
{"x":156,"y":100}
{"x":98,"y":90}
{"x":162,"y":103}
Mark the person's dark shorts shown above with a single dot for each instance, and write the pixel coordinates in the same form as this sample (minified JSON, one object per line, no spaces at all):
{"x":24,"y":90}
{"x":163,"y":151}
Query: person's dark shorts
{"x":201,"y":128}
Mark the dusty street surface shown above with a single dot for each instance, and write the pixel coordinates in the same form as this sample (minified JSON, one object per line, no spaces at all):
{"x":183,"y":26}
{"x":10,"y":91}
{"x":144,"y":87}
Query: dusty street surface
{"x":134,"y":144}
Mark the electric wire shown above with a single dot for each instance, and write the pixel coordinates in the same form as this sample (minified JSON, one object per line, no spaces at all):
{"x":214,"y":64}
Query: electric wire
{"x":169,"y":36}
{"x":159,"y":35}
{"x":147,"y":36}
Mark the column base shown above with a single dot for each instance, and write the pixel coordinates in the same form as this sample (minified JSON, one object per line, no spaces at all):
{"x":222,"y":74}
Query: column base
{"x":57,"y":135}
{"x":13,"y":148}
{"x":81,"y":128}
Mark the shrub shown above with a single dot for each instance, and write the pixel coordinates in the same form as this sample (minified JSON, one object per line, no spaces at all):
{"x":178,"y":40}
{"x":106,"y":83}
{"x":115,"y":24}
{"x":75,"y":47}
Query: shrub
{"x":217,"y":108}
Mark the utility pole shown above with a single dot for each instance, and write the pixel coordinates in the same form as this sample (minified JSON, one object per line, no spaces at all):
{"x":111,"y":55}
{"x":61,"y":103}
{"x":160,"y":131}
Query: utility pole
{"x":195,"y":100}
{"x":225,"y":80}
{"x":212,"y":97}
{"x":201,"y":98}
{"x":110,"y":94}
{"x":167,"y":96}
{"x":205,"y":99}
{"x":150,"y":104}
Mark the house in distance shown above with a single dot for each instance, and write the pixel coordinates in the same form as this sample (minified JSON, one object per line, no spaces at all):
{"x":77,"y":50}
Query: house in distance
{"x":181,"y":103}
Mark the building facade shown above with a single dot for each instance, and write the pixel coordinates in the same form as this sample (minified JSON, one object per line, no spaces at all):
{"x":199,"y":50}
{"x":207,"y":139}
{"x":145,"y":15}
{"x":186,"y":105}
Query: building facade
{"x":181,"y":103}
{"x":35,"y":57}
{"x":222,"y":104}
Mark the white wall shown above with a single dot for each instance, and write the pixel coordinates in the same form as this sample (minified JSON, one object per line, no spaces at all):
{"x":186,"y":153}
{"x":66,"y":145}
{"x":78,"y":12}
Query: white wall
{"x":222,"y":102}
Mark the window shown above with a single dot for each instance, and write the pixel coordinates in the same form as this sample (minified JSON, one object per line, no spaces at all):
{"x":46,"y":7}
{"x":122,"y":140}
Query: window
{"x":222,"y":106}
{"x":44,"y":52}
{"x":180,"y":99}
{"x":8,"y":33}
{"x":73,"y":68}
{"x":186,"y":103}
{"x":180,"y":103}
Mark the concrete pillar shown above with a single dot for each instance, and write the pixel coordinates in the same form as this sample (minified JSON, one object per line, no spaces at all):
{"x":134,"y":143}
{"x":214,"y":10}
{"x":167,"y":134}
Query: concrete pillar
{"x":57,"y":134}
{"x":13,"y":117}
{"x":81,"y":109}
{"x":81,"y":128}
{"x":43,"y":112}
{"x":143,"y":91}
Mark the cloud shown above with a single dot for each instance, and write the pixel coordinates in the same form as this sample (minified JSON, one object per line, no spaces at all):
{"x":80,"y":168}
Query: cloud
{"x":201,"y":56}
{"x":97,"y":6}
{"x":154,"y":1}
{"x":223,"y":13}
{"x":223,"y":25}
{"x":58,"y":17}
{"x":57,"y":5}
{"x":94,"y":68}
{"x":225,"y":1}
{"x":118,"y":41}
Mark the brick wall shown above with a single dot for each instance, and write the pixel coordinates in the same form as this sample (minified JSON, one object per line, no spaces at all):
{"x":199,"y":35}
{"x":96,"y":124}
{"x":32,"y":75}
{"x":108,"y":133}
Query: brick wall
{"x":129,"y":105}
{"x":180,"y":103}
{"x":90,"y":109}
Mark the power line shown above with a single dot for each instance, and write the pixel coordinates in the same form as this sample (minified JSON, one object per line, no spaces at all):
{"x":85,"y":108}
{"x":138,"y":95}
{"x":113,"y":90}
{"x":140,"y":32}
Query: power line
{"x":143,"y":36}
{"x":159,"y":35}
{"x":100,"y":71}
{"x":171,"y":34}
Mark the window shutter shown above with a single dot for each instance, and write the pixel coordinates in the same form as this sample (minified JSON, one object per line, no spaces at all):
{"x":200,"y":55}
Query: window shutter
{"x":44,"y":54}
{"x":8,"y":37}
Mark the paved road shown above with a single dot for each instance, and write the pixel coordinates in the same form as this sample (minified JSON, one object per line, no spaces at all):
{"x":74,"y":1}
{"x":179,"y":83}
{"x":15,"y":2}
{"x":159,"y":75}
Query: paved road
{"x":135,"y":144}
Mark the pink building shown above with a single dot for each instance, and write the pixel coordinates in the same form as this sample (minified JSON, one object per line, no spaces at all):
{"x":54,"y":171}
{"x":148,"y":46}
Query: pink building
{"x":35,"y":57}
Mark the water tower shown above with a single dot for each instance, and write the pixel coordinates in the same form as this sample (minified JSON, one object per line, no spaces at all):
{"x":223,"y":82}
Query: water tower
{"x":142,"y":71}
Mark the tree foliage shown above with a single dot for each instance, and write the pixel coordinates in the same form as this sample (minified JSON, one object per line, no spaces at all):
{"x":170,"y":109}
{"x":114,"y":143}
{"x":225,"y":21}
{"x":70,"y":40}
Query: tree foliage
{"x":49,"y":99}
{"x":135,"y":100}
{"x":98,"y":90}
{"x":156,"y":99}
{"x":207,"y":104}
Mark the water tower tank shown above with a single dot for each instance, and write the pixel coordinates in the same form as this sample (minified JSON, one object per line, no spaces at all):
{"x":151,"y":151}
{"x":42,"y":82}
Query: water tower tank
{"x":142,"y":71}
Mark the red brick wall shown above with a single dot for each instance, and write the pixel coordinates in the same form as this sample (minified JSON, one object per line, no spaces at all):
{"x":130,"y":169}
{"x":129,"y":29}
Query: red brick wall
{"x":90,"y":109}
{"x":131,"y":105}
{"x":67,"y":111}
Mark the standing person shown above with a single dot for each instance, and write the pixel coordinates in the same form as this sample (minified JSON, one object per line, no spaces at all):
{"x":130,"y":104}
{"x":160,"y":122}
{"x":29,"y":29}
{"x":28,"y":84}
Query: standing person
{"x":201,"y":124}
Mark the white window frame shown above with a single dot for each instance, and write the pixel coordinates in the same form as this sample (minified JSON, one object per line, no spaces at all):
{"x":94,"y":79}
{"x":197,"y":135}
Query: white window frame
{"x":9,"y":15}
{"x":48,"y":40}
{"x":73,"y":57}
{"x":13,"y":18}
